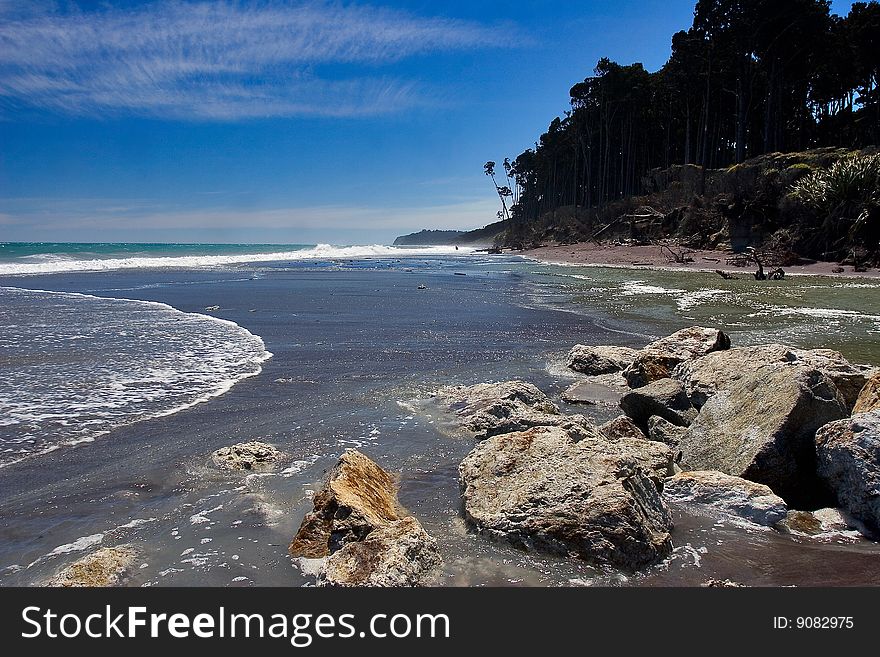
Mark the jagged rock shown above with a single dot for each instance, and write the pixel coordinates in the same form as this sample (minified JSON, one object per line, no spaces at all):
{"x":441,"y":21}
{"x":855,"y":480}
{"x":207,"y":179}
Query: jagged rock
{"x":665,"y":398}
{"x":360,"y":529}
{"x":105,"y":567}
{"x":664,"y":431}
{"x":657,"y":360}
{"x":869,"y":396}
{"x":586,"y":495}
{"x":849,"y":463}
{"x":621,"y":427}
{"x":730,"y":495}
{"x":489,"y":409}
{"x":762,"y":429}
{"x":705,"y":376}
{"x":600,"y":359}
{"x":252,"y":455}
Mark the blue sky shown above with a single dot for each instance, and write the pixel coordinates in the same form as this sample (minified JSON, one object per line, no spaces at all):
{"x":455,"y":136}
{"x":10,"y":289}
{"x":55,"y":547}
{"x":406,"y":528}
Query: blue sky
{"x":288,"y":122}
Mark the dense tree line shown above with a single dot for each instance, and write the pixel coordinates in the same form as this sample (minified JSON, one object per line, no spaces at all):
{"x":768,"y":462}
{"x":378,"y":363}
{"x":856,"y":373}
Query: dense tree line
{"x":749,"y":77}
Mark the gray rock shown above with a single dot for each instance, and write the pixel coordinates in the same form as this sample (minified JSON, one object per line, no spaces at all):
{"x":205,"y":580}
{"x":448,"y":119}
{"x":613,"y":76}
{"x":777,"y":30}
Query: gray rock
{"x":849,"y":463}
{"x":105,"y":567}
{"x":664,"y":431}
{"x":658,"y":359}
{"x":729,"y":495}
{"x":360,"y":531}
{"x":252,"y":455}
{"x":763,"y":428}
{"x":665,"y":398}
{"x":600,"y":359}
{"x":587,"y":496}
{"x":705,"y":376}
{"x":488,"y":409}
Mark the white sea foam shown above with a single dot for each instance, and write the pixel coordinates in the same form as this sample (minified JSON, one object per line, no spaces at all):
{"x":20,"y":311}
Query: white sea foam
{"x":163,"y":361}
{"x":320,"y":252}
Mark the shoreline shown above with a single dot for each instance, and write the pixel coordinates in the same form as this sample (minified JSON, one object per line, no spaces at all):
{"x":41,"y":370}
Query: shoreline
{"x":588,"y":254}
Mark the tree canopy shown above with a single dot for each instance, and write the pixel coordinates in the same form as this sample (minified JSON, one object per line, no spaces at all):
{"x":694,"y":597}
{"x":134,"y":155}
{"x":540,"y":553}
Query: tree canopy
{"x":749,"y":77}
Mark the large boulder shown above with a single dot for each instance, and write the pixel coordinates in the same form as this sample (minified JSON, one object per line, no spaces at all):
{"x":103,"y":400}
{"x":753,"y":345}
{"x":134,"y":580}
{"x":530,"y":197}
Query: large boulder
{"x":108,"y":566}
{"x":488,"y":409}
{"x":360,"y":530}
{"x":600,"y":360}
{"x":849,"y":463}
{"x":665,"y":398}
{"x":658,"y":359}
{"x":719,"y":370}
{"x":726,"y":494}
{"x":252,"y":455}
{"x":587,"y":496}
{"x":763,"y":428}
{"x":869,"y":396}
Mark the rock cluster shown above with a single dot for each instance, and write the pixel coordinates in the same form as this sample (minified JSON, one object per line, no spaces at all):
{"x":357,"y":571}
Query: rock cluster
{"x":360,"y":531}
{"x":804,"y":424}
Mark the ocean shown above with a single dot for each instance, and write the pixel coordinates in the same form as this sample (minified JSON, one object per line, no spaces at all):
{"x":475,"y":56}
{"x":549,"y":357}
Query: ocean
{"x":123,"y":366}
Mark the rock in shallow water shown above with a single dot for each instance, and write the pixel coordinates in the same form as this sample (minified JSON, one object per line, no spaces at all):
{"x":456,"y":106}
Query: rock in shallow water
{"x":490,"y":409}
{"x":730,"y":495}
{"x":104,"y":567}
{"x":252,"y":455}
{"x":763,"y":428}
{"x":849,"y":463}
{"x":360,"y":529}
{"x":586,"y":495}
{"x":601,"y":359}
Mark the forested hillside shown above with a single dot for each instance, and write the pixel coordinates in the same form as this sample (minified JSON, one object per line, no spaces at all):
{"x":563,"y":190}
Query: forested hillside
{"x":750,"y":77}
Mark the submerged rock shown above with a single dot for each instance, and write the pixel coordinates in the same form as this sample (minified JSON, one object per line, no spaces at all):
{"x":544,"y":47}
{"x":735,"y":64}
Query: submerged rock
{"x":252,"y":455}
{"x":362,"y":532}
{"x":730,"y":495}
{"x":763,"y":428}
{"x":705,"y":376}
{"x":489,"y":409}
{"x":580,"y":495}
{"x":664,"y":398}
{"x":869,"y":396}
{"x":105,"y":567}
{"x":598,"y":360}
{"x":849,"y":463}
{"x":657,"y":360}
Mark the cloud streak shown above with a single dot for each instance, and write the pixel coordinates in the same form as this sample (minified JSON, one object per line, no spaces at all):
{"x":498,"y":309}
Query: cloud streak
{"x":223,"y":60}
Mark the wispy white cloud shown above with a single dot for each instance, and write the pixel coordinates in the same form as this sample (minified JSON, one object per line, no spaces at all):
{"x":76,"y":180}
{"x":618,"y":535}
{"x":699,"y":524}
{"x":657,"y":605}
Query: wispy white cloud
{"x":222,"y":60}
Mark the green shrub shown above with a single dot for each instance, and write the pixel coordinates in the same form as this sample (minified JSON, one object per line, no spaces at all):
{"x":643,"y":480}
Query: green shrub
{"x":845,"y":190}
